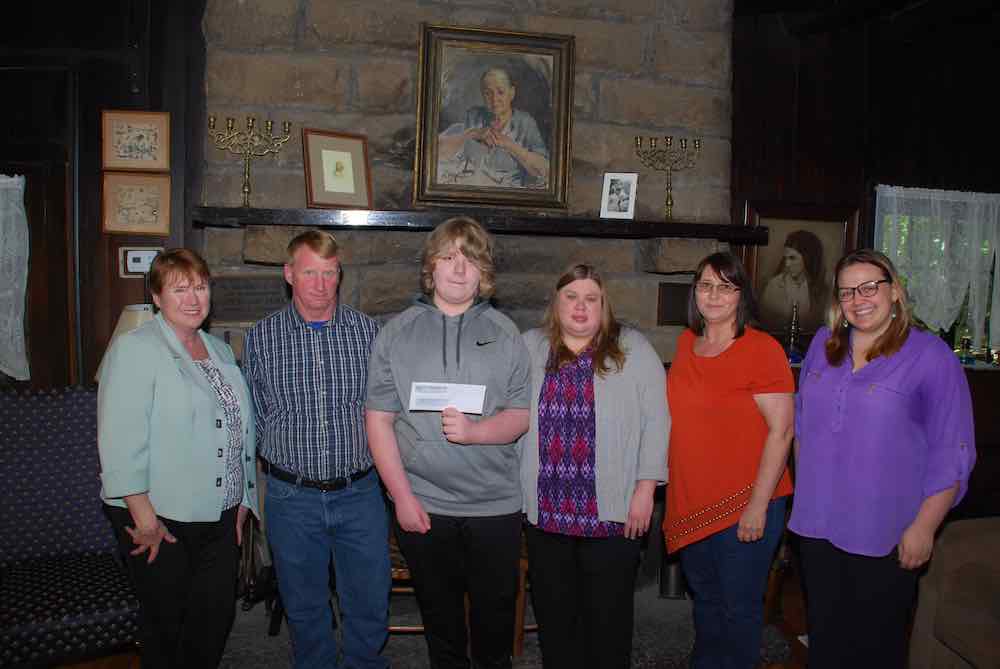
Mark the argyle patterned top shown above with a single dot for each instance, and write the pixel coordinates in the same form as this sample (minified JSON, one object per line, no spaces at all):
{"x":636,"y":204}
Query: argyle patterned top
{"x":567,"y":490}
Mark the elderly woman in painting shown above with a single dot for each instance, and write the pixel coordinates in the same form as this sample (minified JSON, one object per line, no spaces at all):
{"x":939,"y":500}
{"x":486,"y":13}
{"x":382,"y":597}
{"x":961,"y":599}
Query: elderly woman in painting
{"x":799,"y":278}
{"x":496,"y":145}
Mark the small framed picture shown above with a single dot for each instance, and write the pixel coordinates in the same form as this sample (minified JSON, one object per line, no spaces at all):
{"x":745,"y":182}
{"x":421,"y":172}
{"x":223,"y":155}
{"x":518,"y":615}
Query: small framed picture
{"x":135,"y":140}
{"x":618,"y":195}
{"x":136,"y":204}
{"x":337,"y":170}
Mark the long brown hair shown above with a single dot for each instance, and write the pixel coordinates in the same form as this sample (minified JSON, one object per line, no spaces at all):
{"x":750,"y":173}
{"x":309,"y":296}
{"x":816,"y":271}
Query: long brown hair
{"x":890,"y":341}
{"x":606,"y":347}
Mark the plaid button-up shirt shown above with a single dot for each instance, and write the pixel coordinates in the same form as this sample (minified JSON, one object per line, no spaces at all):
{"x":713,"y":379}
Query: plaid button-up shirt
{"x":308,"y":389}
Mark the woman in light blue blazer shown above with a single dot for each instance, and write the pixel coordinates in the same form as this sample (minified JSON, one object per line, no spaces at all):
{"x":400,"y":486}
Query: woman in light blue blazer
{"x":178,"y":472}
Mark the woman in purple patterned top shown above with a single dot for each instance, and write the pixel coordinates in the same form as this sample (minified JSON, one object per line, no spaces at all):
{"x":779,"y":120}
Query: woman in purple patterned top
{"x":884,"y":448}
{"x":594,"y":453}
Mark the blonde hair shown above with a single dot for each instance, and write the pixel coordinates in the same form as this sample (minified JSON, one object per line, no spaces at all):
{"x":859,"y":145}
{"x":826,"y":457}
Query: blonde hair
{"x":319,"y":242}
{"x":474,"y":243}
{"x":605,"y":344}
{"x":890,"y":341}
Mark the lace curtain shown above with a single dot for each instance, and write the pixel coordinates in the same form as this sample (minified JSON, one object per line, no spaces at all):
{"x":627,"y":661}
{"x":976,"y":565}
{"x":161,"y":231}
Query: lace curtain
{"x":13,"y":277}
{"x":944,"y":243}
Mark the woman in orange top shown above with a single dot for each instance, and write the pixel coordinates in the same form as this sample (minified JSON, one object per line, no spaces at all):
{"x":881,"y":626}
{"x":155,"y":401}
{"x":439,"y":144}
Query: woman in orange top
{"x":730,"y":392}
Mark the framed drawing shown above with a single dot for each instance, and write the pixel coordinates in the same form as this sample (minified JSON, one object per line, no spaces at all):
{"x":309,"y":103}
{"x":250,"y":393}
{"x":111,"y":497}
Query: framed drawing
{"x":135,"y":140}
{"x":796,"y":267}
{"x":136,"y":204}
{"x":337,"y":170}
{"x":618,"y":195}
{"x":494,"y":111}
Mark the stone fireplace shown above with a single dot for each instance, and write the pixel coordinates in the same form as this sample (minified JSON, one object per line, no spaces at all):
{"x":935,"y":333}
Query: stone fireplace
{"x":643,"y":67}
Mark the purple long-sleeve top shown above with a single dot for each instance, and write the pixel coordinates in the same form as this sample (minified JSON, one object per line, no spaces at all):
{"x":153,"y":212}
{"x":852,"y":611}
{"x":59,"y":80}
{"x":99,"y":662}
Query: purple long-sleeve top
{"x":874,"y":444}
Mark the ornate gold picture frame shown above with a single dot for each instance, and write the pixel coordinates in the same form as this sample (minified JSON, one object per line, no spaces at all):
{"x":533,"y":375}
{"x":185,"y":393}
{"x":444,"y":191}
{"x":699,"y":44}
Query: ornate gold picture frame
{"x":494,"y":115}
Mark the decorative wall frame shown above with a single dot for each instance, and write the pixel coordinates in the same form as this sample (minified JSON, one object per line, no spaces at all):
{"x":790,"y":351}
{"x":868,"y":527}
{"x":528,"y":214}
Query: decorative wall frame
{"x":618,"y":195}
{"x":135,"y":140}
{"x":338,"y":174}
{"x":804,"y":244}
{"x":136,"y":203}
{"x":494,"y":114}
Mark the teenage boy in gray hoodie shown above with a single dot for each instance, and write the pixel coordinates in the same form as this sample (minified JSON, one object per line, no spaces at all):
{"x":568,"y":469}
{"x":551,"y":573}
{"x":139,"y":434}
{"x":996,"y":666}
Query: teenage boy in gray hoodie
{"x":454,"y":477}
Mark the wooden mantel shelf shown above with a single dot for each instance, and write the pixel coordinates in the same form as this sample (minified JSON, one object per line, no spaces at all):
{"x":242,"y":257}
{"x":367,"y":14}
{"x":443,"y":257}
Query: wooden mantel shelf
{"x":509,"y":223}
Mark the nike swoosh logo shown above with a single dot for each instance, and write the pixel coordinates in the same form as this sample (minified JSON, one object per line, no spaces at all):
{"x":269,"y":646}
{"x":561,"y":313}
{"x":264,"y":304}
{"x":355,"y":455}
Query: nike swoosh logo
{"x":484,"y":343}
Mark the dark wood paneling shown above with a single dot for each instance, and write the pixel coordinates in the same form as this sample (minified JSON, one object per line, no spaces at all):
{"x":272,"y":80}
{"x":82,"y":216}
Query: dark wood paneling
{"x":825,"y":110}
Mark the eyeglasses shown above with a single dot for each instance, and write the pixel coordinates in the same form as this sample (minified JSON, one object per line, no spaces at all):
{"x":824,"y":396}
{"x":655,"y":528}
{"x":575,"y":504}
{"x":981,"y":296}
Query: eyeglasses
{"x":724,"y":289}
{"x":866,"y":289}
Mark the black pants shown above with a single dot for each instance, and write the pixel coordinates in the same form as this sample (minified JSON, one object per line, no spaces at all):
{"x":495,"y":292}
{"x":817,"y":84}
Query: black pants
{"x":188,"y":594}
{"x":583,"y":593}
{"x":460,"y":555}
{"x":857,"y":607}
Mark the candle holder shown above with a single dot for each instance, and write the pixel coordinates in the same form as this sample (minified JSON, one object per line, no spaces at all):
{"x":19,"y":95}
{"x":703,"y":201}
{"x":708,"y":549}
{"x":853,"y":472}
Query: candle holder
{"x":668,"y":159}
{"x":249,"y":144}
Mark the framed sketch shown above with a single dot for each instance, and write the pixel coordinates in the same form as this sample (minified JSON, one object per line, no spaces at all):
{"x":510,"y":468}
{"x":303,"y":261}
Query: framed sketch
{"x":136,"y":204}
{"x":796,"y":267}
{"x":618,"y":195}
{"x":494,"y":111}
{"x":337,"y":170}
{"x":135,"y":140}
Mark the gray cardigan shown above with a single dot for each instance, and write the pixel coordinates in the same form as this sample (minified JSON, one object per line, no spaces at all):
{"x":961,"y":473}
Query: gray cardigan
{"x":633,"y":426}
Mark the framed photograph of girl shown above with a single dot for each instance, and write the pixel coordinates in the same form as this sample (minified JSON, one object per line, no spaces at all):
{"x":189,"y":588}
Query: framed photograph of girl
{"x":618,"y":195}
{"x":805,"y":242}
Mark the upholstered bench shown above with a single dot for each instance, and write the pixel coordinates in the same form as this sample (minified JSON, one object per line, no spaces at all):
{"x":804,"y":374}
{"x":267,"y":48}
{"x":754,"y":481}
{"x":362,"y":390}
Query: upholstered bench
{"x":64,"y":593}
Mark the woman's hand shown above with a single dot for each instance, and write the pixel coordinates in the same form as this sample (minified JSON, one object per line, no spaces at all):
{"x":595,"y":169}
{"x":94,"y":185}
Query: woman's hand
{"x":148,"y":539}
{"x":752,"y":522}
{"x":457,"y":427}
{"x":915,"y":547}
{"x":640,"y":509}
{"x":241,"y":517}
{"x":411,"y":515}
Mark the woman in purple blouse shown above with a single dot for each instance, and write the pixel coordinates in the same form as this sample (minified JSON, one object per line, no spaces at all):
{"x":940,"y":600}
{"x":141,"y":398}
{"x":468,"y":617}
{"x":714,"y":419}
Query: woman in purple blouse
{"x":884,"y":448}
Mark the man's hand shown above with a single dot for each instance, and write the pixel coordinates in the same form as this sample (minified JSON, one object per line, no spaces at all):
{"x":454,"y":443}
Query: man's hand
{"x":457,"y":427}
{"x":411,"y":515}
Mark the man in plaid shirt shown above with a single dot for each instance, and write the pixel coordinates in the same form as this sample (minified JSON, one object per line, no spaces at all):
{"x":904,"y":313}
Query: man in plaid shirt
{"x":307,"y":368}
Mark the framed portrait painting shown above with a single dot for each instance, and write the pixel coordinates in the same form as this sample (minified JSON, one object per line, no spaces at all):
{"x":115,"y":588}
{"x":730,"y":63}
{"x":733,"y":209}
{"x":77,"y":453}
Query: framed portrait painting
{"x":337,"y":170}
{"x":135,"y":140}
{"x":805,"y":242}
{"x":494,"y":111}
{"x":136,"y":203}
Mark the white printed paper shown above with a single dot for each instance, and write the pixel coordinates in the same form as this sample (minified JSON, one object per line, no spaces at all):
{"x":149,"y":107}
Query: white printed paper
{"x":436,"y":396}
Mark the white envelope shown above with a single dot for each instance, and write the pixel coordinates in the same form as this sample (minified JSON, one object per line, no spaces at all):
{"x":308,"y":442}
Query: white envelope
{"x":426,"y":396}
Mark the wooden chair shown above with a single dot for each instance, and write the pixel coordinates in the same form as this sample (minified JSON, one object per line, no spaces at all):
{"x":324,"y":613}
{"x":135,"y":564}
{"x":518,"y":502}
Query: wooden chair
{"x":401,"y":584}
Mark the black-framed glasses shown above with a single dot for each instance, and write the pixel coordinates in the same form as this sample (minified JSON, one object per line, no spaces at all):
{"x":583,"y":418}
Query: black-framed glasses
{"x":724,"y":289}
{"x":866,"y":289}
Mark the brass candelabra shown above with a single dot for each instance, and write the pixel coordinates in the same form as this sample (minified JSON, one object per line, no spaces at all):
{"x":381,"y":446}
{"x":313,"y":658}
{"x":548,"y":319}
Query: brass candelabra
{"x":669,"y":159}
{"x":250,"y":143}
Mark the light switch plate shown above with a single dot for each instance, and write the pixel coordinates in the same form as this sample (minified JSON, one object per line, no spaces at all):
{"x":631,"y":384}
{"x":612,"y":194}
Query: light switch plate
{"x":134,"y":261}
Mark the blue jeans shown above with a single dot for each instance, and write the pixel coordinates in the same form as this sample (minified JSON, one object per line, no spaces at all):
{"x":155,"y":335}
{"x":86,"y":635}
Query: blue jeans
{"x":727,"y":579}
{"x":305,"y":528}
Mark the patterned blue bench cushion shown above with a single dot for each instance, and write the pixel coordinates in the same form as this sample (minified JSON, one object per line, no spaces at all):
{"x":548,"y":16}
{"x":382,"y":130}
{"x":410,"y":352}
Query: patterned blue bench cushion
{"x":64,"y":609}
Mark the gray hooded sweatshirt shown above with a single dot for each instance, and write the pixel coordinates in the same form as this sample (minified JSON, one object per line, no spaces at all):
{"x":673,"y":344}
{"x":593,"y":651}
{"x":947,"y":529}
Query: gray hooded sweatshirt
{"x":482,"y":347}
